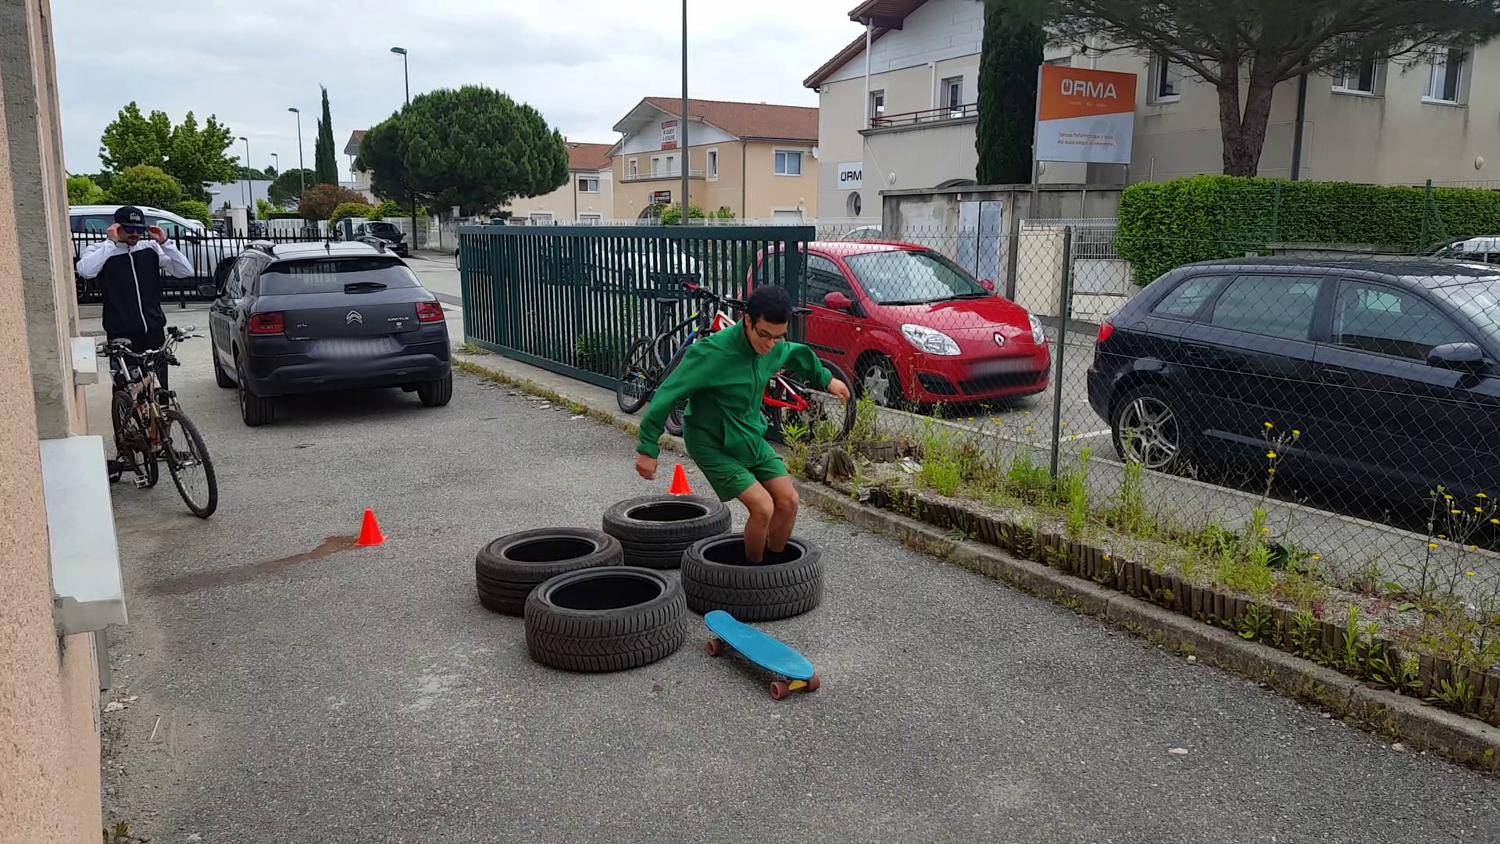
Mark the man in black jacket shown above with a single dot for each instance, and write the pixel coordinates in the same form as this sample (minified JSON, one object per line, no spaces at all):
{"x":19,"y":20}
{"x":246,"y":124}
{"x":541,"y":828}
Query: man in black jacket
{"x":128,"y":266}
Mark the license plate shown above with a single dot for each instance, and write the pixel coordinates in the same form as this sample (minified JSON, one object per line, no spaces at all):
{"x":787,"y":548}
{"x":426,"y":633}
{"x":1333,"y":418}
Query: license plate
{"x":1004,"y":366}
{"x":353,"y":348}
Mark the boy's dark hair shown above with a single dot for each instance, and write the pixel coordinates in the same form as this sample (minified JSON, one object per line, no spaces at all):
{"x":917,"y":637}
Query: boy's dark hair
{"x":770,"y":304}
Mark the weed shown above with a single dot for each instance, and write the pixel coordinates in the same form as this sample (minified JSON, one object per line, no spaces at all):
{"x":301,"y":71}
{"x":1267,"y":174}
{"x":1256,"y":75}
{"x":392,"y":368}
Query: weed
{"x":1074,"y":489}
{"x":469,"y":348}
{"x":1255,"y":623}
{"x":1128,"y":513}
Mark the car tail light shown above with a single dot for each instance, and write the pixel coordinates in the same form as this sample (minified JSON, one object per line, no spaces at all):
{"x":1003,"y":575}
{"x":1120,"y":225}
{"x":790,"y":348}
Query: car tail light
{"x":267,"y":324}
{"x":429,"y":312}
{"x":1105,"y":331}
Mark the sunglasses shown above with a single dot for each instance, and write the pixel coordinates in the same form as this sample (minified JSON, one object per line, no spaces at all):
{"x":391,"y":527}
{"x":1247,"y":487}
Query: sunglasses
{"x":135,"y":229}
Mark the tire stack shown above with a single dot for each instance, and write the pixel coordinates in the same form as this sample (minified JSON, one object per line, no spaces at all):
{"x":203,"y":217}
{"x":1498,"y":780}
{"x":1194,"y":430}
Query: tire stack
{"x":655,"y":530}
{"x":716,"y":577}
{"x":584,"y":609}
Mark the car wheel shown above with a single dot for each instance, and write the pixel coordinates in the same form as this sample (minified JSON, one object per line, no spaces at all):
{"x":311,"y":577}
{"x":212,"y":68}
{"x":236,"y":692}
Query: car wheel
{"x":878,"y":380}
{"x":436,"y":393}
{"x":509,"y":568}
{"x":1148,"y":429}
{"x":606,"y":619}
{"x":220,"y":376}
{"x":254,"y":410}
{"x":715,"y":576}
{"x":656,"y":529}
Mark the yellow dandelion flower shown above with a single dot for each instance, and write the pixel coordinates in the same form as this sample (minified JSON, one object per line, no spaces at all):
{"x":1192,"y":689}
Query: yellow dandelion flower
{"x":1457,"y":512}
{"x":1265,"y":530}
{"x":1031,"y":430}
{"x":1296,"y":433}
{"x":1495,"y":521}
{"x":1469,"y":574}
{"x":1473,"y":548}
{"x":1479,"y":509}
{"x":1270,"y":471}
{"x":1433,"y":545}
{"x":1269,"y":426}
{"x":1271,"y":454}
{"x":1317,"y":559}
{"x":1448,"y":497}
{"x":1481,"y":495}
{"x":1107,"y":558}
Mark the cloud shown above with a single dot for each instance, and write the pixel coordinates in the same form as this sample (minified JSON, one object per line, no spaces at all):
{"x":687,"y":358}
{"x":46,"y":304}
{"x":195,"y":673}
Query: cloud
{"x":582,"y":63}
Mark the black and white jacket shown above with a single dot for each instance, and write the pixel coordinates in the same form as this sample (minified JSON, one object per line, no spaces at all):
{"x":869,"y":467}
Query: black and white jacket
{"x":130,"y":282}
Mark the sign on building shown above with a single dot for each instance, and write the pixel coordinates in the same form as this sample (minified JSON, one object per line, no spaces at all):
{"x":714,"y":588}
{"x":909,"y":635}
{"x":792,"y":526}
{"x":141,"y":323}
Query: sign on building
{"x":852,"y":175}
{"x":1084,"y":115}
{"x":669,"y":134}
{"x":661,"y":197}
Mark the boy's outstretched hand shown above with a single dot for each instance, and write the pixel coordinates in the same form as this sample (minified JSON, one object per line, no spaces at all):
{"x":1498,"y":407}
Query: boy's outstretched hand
{"x":839,"y":388}
{"x":645,"y":467}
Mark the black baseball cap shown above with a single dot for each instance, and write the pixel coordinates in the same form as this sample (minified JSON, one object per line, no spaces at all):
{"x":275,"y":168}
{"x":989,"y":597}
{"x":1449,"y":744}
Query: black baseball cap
{"x":131,"y":219}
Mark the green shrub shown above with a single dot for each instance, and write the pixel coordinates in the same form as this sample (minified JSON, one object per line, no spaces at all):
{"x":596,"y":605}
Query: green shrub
{"x":357,"y":210}
{"x":192,"y":209}
{"x":389,"y":208}
{"x":1164,"y":225}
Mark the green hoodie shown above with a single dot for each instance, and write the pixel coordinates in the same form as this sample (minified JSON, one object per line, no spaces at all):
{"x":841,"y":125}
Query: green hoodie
{"x":724,"y":379}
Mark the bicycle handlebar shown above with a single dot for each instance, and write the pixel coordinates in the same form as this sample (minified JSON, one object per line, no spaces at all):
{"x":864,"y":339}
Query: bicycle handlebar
{"x":121,"y":347}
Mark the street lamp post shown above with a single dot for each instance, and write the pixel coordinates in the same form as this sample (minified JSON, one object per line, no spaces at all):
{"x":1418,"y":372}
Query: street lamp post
{"x":682,"y":130}
{"x":277,"y":163}
{"x":249,"y":185}
{"x":301,"y":168}
{"x":411,"y":193}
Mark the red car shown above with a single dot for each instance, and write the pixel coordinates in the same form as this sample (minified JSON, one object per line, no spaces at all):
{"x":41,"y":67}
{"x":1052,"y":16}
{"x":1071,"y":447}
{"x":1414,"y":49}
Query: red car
{"x":915,"y":328}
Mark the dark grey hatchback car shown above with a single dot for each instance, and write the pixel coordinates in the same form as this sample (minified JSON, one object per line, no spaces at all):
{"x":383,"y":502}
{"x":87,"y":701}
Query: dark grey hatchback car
{"x":1389,"y":369}
{"x":315,"y":317}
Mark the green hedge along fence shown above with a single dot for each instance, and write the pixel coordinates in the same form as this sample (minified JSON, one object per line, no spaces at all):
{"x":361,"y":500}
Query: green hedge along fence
{"x":1164,"y":225}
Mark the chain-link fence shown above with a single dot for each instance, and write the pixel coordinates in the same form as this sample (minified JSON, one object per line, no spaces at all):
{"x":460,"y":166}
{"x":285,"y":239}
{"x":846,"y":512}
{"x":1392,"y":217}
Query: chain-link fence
{"x":1310,"y":427}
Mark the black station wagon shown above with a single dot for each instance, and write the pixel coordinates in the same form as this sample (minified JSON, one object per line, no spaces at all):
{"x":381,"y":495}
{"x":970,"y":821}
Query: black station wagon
{"x":1386,"y":369}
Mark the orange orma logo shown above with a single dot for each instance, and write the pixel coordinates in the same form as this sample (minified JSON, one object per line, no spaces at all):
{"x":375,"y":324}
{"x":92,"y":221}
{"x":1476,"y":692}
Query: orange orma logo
{"x":1085,"y":88}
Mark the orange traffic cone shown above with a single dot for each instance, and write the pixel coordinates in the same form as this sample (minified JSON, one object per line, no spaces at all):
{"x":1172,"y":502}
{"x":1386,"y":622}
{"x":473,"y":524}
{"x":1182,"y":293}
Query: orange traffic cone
{"x":370,"y":533}
{"x":680,"y":482}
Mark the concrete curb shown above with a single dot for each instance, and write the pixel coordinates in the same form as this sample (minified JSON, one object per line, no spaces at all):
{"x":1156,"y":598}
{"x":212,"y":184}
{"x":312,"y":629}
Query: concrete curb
{"x":1453,"y":737}
{"x":1446,"y":734}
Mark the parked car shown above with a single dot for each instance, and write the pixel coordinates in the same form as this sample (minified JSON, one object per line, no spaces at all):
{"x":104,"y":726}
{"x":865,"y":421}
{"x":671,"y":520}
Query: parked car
{"x":1377,"y":373}
{"x":316,"y":317}
{"x":1482,"y":249}
{"x":394,"y":238}
{"x":913,"y":327}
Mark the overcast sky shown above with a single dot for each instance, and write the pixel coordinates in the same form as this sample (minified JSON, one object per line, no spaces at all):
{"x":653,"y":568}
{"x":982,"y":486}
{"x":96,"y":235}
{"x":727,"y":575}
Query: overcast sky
{"x":582,"y":63}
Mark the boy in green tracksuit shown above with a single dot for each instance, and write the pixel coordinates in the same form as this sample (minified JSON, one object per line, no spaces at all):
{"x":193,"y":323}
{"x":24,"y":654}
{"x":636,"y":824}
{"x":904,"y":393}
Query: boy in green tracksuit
{"x":724,"y":378}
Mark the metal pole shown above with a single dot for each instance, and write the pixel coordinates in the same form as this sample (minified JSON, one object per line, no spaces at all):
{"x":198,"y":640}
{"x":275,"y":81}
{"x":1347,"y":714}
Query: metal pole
{"x":1065,"y":307}
{"x":249,"y":187}
{"x":682,"y":130}
{"x":411,"y":191}
{"x":301,"y":165}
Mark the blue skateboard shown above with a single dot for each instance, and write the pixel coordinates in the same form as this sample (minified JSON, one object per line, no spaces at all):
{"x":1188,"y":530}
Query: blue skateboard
{"x":764,"y":650}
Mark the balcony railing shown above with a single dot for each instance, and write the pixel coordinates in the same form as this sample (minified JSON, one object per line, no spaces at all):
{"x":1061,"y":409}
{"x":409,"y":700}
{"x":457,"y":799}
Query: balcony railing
{"x":932,"y":115}
{"x":660,"y":176}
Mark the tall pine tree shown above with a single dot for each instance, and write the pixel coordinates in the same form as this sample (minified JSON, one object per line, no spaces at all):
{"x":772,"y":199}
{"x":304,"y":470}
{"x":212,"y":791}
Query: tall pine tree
{"x":1012,"y":52}
{"x":325,"y":164}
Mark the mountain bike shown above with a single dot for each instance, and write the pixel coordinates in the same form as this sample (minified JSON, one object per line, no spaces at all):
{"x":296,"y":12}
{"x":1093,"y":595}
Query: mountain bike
{"x":787,"y":404}
{"x":650,"y":360}
{"x":150,"y":424}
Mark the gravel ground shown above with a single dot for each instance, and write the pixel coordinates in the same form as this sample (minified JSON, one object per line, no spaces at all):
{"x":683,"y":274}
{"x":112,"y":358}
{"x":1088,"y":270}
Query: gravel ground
{"x":366,"y":696}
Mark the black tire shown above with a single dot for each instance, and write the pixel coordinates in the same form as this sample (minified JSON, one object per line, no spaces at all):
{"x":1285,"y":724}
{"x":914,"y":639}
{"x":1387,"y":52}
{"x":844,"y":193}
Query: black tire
{"x":878,"y":369}
{"x":130,"y":439}
{"x":675,"y":419}
{"x":638,"y":371}
{"x":509,"y":568}
{"x":655,"y":530}
{"x":193,"y":445}
{"x":254,"y":410}
{"x":751,"y":593}
{"x":1124,"y":415}
{"x":436,"y":393}
{"x":220,"y":376}
{"x":606,"y":619}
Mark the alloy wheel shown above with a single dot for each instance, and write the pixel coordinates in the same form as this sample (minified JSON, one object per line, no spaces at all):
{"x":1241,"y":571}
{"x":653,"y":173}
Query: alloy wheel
{"x":1149,"y":433}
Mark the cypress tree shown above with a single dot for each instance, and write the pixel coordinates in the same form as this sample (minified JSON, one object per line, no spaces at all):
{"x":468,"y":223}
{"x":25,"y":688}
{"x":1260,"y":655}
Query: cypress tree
{"x":1009,"y":58}
{"x":325,"y":164}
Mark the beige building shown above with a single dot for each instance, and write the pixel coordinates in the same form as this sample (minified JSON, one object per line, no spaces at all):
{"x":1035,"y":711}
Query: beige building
{"x":58,"y":557}
{"x":586,"y":199}
{"x":902,"y":114}
{"x":758,"y":161}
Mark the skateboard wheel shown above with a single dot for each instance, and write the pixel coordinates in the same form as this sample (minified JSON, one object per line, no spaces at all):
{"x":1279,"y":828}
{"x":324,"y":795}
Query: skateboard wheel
{"x":714,"y":647}
{"x":814,"y":683}
{"x":780,"y":689}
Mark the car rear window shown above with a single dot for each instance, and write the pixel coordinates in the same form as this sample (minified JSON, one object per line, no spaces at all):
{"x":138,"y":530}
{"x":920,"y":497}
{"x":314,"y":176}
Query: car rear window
{"x":1188,"y":297}
{"x":331,"y":275}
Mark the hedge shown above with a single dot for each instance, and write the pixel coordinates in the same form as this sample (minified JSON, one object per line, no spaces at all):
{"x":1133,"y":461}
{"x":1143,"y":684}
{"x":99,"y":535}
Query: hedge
{"x":284,"y":215}
{"x":1164,"y":225}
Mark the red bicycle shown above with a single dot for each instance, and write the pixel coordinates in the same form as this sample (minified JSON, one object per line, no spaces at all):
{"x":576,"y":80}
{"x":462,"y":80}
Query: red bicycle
{"x":789,"y":405}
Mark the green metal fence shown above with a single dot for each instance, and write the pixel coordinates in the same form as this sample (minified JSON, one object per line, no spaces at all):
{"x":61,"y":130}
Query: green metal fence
{"x":572,"y":299}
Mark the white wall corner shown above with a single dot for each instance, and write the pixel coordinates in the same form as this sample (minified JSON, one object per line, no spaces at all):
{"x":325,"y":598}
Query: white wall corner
{"x":87,"y":584}
{"x":85,"y":361}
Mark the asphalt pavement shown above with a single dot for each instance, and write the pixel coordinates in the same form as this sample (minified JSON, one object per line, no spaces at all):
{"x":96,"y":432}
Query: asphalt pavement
{"x":274,"y":695}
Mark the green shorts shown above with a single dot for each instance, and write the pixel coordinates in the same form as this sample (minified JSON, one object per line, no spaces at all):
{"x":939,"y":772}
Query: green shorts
{"x":730,"y":475}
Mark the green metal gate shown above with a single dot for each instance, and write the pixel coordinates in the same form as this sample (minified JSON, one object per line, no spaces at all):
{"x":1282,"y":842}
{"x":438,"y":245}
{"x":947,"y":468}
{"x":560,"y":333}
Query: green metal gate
{"x":572,"y":299}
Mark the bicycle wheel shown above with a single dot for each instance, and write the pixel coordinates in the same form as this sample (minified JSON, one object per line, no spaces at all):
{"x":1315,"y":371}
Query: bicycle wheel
{"x":674,"y":419}
{"x":131,"y":447}
{"x":826,"y":419}
{"x":188,"y":461}
{"x":637,"y":377}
